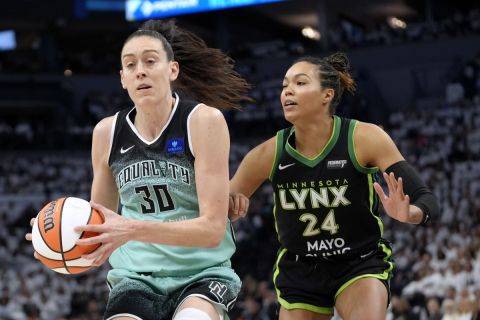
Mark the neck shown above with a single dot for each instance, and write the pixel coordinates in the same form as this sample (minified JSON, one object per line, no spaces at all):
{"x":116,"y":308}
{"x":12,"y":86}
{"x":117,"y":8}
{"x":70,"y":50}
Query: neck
{"x":150,"y":120}
{"x":311,"y":138}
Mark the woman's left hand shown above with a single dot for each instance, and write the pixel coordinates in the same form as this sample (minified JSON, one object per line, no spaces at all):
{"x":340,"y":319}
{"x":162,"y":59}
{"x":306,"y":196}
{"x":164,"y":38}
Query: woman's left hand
{"x":237,"y":206}
{"x":113,"y":233}
{"x":397,"y":203}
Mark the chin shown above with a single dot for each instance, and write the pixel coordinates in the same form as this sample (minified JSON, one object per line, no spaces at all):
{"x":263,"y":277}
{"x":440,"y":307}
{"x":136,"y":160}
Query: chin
{"x":146,"y":99}
{"x":289,"y":115}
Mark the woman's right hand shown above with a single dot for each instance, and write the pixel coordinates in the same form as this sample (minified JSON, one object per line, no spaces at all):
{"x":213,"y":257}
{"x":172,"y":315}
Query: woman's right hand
{"x":28,"y":236}
{"x":111,"y":234}
{"x":237,"y":206}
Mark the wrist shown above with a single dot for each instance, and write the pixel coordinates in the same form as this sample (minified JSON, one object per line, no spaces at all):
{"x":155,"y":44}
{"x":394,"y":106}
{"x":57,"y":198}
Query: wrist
{"x":136,"y":230}
{"x":416,"y":215}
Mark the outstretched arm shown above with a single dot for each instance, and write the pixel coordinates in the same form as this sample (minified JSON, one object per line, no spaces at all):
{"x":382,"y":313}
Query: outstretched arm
{"x":408,"y":200}
{"x":252,"y":172}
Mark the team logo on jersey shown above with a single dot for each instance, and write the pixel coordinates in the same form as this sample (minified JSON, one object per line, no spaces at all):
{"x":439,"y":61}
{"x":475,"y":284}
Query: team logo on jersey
{"x":163,"y":167}
{"x":336,"y":164}
{"x":218,"y":290}
{"x":175,"y":145}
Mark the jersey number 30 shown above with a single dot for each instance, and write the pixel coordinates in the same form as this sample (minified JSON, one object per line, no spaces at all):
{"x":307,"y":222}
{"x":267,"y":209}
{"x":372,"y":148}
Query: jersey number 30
{"x":164,"y":199}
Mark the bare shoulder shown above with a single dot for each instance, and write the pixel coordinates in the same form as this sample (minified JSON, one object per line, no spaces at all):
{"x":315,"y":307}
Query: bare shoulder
{"x":104,"y":126}
{"x":369,"y":131}
{"x":373,"y":146}
{"x":370,"y":136}
{"x":205,"y":113}
{"x":208,"y":132}
{"x":266,"y":147}
{"x":102,"y":134}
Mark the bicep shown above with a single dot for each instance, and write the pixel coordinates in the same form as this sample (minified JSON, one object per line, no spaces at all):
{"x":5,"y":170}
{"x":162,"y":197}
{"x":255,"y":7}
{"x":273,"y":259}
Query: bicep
{"x":104,"y":189}
{"x":254,"y":169}
{"x":211,"y":144}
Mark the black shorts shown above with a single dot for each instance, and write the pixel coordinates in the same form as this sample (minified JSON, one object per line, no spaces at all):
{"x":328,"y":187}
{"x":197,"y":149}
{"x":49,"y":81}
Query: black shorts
{"x":134,"y":297}
{"x":313,"y":284}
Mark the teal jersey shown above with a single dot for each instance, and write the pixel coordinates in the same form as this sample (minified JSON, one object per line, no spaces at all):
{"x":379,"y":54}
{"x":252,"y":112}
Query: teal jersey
{"x":156,"y":182}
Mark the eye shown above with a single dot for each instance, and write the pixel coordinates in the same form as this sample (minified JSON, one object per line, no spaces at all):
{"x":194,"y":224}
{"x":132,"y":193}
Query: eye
{"x":129,"y":65}
{"x":150,"y":61}
{"x":300,"y":83}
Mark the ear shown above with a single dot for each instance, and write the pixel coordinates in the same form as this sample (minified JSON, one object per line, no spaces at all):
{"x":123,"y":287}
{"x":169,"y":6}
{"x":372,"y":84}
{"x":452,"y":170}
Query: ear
{"x":121,"y":80}
{"x":328,"y":95}
{"x":174,"y":70}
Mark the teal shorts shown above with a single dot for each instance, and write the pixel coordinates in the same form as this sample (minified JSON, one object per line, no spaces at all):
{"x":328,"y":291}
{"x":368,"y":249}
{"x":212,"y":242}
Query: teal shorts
{"x":151,"y":297}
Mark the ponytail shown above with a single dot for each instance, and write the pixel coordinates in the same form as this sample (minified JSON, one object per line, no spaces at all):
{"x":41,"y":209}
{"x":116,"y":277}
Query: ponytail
{"x":206,"y":74}
{"x":334,"y":73}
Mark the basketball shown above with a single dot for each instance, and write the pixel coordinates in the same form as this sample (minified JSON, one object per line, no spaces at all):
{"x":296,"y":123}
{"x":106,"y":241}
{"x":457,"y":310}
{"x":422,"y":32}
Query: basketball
{"x":53,"y":237}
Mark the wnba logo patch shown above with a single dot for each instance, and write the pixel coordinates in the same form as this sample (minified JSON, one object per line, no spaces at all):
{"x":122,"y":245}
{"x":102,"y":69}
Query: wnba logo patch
{"x":336,"y":164}
{"x":175,"y":145}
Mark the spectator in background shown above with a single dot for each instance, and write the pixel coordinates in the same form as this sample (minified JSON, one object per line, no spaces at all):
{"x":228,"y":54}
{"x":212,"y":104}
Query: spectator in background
{"x":449,"y":309}
{"x":432,"y":310}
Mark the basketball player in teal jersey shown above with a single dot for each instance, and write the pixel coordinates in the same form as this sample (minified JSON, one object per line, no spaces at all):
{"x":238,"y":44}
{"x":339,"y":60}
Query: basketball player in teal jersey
{"x":166,"y":159}
{"x":323,"y":172}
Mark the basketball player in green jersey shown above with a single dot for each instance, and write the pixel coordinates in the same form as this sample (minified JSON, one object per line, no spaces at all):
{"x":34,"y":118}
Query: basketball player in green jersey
{"x":323,"y":172}
{"x":166,"y":159}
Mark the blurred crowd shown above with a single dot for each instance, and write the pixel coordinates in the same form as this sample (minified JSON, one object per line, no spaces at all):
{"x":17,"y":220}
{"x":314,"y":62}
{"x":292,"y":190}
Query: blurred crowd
{"x":43,"y":55}
{"x":437,"y":275}
{"x":437,"y":272}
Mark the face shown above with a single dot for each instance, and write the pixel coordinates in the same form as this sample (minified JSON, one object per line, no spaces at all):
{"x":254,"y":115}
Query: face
{"x":303,"y":96}
{"x":146,"y":73}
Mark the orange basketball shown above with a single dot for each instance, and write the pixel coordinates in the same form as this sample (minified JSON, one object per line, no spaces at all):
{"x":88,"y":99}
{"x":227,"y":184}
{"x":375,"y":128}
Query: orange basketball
{"x":53,"y":237}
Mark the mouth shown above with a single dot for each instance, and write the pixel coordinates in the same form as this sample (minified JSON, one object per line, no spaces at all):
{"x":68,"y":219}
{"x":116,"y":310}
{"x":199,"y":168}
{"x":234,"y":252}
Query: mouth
{"x":143,"y":87}
{"x":289,"y":103}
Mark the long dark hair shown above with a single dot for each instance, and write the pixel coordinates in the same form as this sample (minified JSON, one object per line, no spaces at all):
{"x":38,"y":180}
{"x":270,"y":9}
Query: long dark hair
{"x":206,"y":74}
{"x":334,"y":73}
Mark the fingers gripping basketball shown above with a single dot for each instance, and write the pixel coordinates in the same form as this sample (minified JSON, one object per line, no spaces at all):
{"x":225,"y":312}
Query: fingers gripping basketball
{"x":53,"y":235}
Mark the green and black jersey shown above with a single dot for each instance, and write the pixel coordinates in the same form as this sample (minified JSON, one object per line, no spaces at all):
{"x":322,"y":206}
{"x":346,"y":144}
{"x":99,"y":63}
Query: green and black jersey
{"x":325,"y":206}
{"x":156,"y":182}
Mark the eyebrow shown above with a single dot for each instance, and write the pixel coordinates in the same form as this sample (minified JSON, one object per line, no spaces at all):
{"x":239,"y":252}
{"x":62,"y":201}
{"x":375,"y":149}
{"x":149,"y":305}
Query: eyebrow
{"x":143,"y":52}
{"x":298,"y":75}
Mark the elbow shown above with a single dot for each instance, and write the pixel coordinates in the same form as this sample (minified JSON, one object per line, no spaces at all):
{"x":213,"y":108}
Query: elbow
{"x":213,"y":240}
{"x":215,"y":233}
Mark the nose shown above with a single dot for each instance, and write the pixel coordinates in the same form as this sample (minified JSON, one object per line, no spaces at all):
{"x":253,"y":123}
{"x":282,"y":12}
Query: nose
{"x":140,"y":71}
{"x":287,"y":91}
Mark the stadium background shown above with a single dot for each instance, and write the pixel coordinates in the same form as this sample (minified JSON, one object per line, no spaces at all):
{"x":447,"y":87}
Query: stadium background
{"x":418,"y":76}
